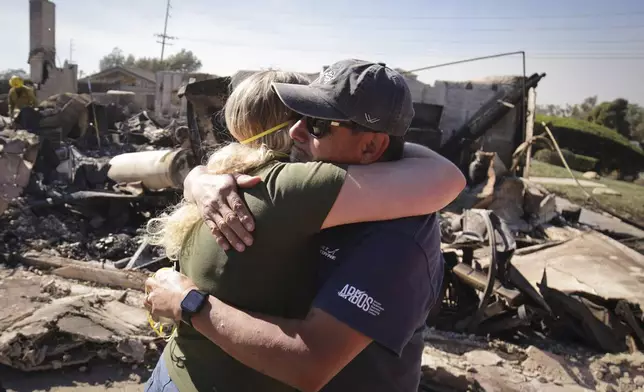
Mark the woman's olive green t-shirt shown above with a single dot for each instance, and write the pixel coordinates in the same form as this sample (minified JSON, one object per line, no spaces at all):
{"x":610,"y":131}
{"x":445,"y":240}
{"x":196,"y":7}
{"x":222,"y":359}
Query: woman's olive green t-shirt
{"x":275,"y":276}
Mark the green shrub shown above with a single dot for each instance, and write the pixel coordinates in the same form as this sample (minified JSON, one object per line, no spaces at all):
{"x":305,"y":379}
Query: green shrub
{"x":584,"y":163}
{"x":576,"y":162}
{"x":547,"y":156}
{"x":613,"y":150}
{"x":568,"y":155}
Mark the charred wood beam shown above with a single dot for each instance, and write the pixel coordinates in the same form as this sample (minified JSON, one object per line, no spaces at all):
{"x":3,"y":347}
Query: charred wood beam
{"x":111,"y":278}
{"x":80,"y":197}
{"x":134,"y":261}
{"x":105,"y":274}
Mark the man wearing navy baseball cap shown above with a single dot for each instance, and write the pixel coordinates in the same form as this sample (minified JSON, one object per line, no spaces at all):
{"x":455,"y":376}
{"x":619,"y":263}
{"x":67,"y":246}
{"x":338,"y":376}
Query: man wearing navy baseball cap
{"x":354,"y":94}
{"x":377,"y":280}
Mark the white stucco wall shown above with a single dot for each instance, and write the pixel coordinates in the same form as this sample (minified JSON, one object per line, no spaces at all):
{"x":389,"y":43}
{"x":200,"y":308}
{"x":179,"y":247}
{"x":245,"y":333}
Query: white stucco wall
{"x":460,"y":100}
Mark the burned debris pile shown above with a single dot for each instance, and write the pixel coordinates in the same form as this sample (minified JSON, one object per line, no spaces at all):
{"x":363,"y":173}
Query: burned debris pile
{"x":522,"y":269}
{"x":532,"y":299}
{"x":50,"y":323}
{"x":511,"y":254}
{"x":489,"y":295}
{"x":80,"y":180}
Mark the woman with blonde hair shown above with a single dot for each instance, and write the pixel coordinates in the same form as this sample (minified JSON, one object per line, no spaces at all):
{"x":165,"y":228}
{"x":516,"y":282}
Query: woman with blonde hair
{"x":276,"y":276}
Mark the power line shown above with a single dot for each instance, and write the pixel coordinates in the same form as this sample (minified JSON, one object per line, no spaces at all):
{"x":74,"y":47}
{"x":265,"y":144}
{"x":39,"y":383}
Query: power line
{"x":528,"y":28}
{"x":295,"y":48}
{"x":302,"y":28}
{"x":432,"y":42}
{"x":290,"y":15}
{"x":470,"y":60}
{"x":472,"y":42}
{"x":165,"y":37}
{"x":495,"y":17}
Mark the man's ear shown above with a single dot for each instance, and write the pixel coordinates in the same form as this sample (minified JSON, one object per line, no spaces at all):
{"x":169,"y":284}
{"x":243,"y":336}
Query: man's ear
{"x":375,"y":144}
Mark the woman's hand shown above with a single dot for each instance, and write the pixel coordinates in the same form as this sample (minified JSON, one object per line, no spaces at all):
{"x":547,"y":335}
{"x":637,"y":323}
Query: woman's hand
{"x":166,"y":289}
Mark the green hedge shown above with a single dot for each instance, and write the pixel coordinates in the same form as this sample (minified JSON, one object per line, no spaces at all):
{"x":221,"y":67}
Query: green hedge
{"x":586,"y":127}
{"x":613,"y":150}
{"x":585,"y":163}
{"x":576,"y":162}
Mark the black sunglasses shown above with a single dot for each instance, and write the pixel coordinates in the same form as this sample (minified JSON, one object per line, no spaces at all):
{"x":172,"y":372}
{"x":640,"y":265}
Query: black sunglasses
{"x":319,"y":128}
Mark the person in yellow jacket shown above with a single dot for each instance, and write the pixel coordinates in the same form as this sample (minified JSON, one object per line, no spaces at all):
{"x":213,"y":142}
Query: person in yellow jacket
{"x":20,"y":96}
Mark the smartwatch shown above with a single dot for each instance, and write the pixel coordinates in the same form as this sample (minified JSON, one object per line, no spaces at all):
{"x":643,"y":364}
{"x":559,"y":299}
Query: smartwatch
{"x":192,"y":304}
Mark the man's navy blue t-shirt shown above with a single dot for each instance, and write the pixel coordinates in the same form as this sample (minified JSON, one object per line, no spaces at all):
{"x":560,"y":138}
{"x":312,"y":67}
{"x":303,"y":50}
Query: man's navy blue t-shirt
{"x":381,"y":279}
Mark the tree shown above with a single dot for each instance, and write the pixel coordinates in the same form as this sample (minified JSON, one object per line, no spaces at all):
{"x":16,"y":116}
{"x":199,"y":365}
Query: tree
{"x":579,"y":111}
{"x":625,"y":118}
{"x":151,"y":64}
{"x":116,"y":58}
{"x":551,"y":110}
{"x":588,"y":105}
{"x":612,"y":115}
{"x":8,"y":73}
{"x":635,"y":117}
{"x":130,"y":61}
{"x":183,"y":61}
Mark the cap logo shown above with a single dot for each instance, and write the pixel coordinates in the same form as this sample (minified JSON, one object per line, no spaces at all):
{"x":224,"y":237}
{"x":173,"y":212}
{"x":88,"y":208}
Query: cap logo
{"x":371,"y":120}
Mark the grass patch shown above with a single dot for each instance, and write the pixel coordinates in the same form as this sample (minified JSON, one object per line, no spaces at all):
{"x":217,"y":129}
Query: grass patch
{"x":630,"y":203}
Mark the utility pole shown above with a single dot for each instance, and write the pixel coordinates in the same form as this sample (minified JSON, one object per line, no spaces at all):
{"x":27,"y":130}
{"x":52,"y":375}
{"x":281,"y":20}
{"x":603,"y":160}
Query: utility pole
{"x":71,"y":50}
{"x":165,"y":37}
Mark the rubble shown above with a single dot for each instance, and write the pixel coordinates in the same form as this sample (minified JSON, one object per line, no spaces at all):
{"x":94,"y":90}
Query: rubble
{"x":453,"y":362}
{"x":69,"y":204}
{"x":583,"y":264}
{"x":499,"y":292}
{"x":51,"y":323}
{"x":18,"y":153}
{"x":77,"y":229}
{"x":533,"y":297}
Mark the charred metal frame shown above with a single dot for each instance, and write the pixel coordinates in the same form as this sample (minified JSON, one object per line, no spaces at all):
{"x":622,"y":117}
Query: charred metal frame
{"x":485,"y":302}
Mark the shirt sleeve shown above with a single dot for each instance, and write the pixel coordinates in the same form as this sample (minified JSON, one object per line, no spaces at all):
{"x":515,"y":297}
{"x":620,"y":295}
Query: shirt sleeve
{"x":305,"y":192}
{"x":12,"y":101}
{"x":382,"y":288}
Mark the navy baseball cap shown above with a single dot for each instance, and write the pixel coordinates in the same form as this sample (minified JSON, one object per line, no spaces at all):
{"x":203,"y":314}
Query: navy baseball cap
{"x":369,"y":94}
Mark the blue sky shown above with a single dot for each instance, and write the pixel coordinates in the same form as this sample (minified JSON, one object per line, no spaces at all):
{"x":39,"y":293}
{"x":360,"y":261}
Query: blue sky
{"x":586,"y":47}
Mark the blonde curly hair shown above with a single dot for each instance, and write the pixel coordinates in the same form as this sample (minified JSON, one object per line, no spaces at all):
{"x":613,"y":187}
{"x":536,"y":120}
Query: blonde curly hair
{"x":252,"y":108}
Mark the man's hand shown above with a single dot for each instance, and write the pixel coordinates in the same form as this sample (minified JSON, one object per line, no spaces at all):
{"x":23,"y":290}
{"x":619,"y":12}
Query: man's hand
{"x":166,"y":289}
{"x":221,"y":207}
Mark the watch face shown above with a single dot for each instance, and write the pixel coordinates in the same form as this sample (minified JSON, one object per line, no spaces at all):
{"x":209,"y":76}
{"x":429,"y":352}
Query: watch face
{"x":192,"y":301}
